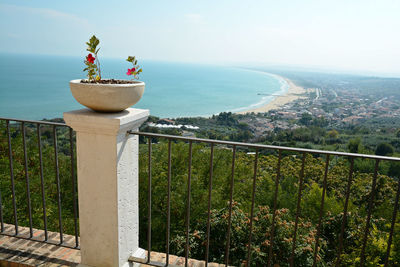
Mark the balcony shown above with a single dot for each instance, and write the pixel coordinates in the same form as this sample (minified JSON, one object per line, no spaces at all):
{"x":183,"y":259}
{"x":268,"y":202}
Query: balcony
{"x":106,"y":194}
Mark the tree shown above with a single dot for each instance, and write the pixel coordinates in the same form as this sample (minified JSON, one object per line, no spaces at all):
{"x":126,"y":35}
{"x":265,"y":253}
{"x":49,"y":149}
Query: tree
{"x":306,"y":118}
{"x":227,"y":118}
{"x":320,"y":122}
{"x":333,"y":134}
{"x":394,"y":169}
{"x":354,"y":145}
{"x":384,"y":149}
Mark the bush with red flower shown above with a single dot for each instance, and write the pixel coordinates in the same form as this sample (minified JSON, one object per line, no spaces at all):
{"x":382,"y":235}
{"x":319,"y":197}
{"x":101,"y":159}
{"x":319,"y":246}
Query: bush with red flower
{"x":136,"y":68}
{"x":93,"y":64}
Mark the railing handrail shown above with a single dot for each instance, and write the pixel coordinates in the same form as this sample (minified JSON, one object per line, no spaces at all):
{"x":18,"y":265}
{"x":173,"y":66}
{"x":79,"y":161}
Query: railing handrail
{"x":261,"y":146}
{"x":34,"y":121}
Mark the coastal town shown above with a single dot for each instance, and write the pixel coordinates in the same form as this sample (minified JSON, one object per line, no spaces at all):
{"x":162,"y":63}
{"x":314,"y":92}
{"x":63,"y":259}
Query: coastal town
{"x":334,"y":107}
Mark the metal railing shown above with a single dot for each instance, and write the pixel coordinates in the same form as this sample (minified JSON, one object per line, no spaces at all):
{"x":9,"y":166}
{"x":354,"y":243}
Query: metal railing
{"x":20,"y":126}
{"x":258,"y":147}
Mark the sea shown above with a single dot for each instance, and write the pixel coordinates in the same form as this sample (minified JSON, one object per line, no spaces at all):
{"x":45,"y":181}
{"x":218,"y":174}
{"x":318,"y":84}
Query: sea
{"x":36,"y":87}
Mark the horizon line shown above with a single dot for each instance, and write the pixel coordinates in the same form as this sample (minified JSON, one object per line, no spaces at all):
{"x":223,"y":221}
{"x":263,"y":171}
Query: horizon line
{"x":247,"y":65}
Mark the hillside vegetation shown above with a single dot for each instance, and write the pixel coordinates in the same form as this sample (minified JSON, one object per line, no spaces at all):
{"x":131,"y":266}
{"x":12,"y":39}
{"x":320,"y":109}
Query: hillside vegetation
{"x":386,"y":186}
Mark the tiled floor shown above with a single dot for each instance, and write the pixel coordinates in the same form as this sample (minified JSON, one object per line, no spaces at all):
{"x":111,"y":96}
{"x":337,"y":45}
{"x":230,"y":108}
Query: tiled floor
{"x":20,"y":252}
{"x":179,"y":261}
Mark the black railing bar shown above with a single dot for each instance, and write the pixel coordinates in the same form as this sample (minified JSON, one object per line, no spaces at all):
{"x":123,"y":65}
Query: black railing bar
{"x":228,"y":237}
{"x":10,"y":158}
{"x":370,"y":207}
{"x":1,"y":215}
{"x":50,"y":241}
{"x":396,"y":207}
{"x":168,"y":203}
{"x":298,"y":208}
{"x":209,"y":201}
{"x":188,"y":205}
{"x":261,"y":146}
{"x":28,"y":190}
{"x":58,"y":183}
{"x":253,"y":194}
{"x":321,"y":211}
{"x":345,"y":212}
{"x":278,"y":175}
{"x":149,"y":201}
{"x":35,"y":122}
{"x":42,"y":183}
{"x":74,"y":202}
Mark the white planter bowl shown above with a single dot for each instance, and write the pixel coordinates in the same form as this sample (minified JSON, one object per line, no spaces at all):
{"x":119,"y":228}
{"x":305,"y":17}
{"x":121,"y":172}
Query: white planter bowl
{"x":107,"y":97}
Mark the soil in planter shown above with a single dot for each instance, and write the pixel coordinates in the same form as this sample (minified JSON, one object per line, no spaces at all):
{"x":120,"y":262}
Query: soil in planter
{"x":110,"y":81}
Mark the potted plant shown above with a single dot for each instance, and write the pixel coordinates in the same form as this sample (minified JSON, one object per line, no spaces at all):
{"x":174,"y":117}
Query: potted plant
{"x":106,"y":95}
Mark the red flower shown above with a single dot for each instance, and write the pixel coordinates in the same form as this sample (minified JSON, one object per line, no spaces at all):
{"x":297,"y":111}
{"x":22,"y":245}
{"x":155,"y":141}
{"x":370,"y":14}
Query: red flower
{"x":90,"y":58}
{"x":131,"y":71}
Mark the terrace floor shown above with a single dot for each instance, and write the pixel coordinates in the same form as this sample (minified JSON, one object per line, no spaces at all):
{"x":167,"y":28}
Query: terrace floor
{"x":17,"y":251}
{"x":20,"y":252}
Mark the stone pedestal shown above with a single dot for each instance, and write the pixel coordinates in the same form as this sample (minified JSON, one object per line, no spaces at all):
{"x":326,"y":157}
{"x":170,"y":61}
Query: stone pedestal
{"x":107,"y":159}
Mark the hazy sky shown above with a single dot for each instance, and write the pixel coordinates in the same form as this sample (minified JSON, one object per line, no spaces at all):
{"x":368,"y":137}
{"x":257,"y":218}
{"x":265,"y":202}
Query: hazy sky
{"x":343,"y":34}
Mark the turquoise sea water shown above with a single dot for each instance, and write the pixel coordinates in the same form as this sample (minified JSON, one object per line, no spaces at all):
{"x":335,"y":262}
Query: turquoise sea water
{"x":36,"y":87}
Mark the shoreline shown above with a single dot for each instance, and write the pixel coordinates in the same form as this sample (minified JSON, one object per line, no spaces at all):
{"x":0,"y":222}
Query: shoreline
{"x":293,"y":93}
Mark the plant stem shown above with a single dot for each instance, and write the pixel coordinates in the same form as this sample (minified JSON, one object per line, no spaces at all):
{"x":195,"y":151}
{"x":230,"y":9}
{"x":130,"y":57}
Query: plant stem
{"x":98,"y":65}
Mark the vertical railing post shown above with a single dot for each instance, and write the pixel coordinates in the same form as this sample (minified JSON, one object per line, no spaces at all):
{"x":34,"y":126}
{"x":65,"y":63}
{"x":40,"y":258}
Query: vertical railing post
{"x":149,"y":203}
{"x":28,"y":190}
{"x":278,"y":177}
{"x":10,"y":158}
{"x":291,"y":260}
{"x":58,"y":183}
{"x":46,"y":236}
{"x":187,"y":245}
{"x":228,"y":236}
{"x":107,"y":171}
{"x":346,"y":204}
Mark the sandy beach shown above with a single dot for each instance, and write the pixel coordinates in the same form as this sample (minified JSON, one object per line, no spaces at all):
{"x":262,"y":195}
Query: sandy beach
{"x":294,"y":92}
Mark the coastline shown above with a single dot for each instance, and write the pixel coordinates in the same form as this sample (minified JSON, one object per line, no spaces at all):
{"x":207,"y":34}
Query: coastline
{"x":293,"y":93}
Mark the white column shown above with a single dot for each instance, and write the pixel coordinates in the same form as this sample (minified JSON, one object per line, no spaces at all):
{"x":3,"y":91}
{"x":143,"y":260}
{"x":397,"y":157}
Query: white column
{"x":107,"y":170}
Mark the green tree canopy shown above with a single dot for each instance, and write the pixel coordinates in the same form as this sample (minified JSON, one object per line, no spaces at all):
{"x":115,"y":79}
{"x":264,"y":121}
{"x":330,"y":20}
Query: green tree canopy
{"x":384,"y":149}
{"x":354,"y":145}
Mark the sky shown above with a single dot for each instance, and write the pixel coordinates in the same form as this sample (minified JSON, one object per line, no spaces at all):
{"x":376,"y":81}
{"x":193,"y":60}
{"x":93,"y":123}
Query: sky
{"x":354,"y":35}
